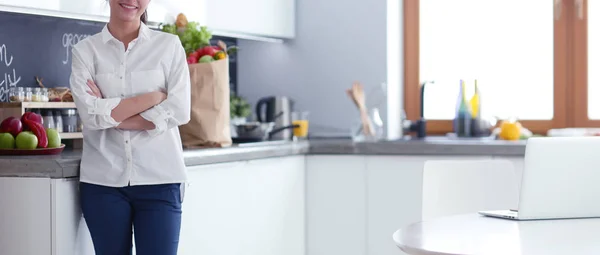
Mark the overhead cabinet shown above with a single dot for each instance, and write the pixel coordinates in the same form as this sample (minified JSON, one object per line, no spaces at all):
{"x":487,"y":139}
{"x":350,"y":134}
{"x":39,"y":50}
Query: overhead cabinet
{"x":237,"y":18}
{"x":268,"y":18}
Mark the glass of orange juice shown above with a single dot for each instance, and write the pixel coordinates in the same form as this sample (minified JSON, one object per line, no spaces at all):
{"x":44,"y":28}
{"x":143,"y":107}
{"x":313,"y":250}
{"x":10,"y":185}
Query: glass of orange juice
{"x":301,"y":120}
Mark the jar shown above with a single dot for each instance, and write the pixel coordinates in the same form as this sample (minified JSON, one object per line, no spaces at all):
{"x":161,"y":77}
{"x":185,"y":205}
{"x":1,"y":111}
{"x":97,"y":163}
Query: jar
{"x":79,"y":124}
{"x":28,"y":95}
{"x":69,"y":118}
{"x":13,"y":95}
{"x":45,"y":95}
{"x":48,"y":119}
{"x":58,"y":121}
{"x":38,"y":112}
{"x":37,"y":95}
{"x":20,"y":94}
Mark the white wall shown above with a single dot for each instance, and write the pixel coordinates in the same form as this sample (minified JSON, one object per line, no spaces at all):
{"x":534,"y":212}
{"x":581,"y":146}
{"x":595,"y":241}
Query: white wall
{"x":333,"y":47}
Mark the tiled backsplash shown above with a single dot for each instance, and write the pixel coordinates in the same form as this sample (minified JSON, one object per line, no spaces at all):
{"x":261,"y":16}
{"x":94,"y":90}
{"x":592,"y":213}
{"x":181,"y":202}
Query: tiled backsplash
{"x":32,"y":45}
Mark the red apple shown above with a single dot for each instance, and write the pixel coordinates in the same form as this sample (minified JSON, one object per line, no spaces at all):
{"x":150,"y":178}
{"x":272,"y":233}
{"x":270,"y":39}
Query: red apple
{"x":208,"y":50}
{"x":11,"y":125}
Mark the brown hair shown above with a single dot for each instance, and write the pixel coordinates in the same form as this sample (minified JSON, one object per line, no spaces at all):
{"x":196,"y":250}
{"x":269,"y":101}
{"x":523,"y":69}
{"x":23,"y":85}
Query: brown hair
{"x":144,"y":17}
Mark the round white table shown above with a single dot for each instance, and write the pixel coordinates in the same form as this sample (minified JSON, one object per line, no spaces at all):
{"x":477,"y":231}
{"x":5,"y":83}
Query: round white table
{"x":475,"y":234}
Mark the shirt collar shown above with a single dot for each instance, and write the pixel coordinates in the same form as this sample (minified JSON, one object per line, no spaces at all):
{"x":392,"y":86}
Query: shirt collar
{"x":143,"y":33}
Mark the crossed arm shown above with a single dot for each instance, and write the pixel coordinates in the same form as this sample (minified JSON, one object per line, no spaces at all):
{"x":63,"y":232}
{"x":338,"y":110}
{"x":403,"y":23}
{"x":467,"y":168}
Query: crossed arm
{"x":155,"y":112}
{"x":127,"y":112}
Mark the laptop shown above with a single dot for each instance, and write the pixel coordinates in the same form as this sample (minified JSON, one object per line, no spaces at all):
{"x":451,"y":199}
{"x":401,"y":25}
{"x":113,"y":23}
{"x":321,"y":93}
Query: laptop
{"x":561,"y":180}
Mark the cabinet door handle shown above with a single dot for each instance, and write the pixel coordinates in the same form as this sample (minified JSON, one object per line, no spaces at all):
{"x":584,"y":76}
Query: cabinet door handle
{"x":579,"y":8}
{"x":557,"y":9}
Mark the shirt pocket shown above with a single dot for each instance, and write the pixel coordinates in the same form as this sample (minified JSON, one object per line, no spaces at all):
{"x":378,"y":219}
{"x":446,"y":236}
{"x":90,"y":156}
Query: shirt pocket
{"x":148,"y":81}
{"x":109,"y":84}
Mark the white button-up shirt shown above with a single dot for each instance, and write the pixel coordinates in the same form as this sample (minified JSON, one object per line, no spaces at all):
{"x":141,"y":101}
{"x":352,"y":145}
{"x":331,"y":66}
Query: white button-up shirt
{"x":116,"y":157}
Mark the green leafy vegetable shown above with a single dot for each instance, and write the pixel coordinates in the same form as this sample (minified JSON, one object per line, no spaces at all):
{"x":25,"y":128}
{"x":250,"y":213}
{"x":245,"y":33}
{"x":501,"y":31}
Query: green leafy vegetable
{"x":239,"y":107}
{"x":192,"y":37}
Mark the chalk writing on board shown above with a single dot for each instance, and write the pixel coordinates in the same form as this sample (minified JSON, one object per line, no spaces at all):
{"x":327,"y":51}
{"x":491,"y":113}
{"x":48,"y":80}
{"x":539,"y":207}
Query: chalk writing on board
{"x":68,"y":40}
{"x":7,"y":81}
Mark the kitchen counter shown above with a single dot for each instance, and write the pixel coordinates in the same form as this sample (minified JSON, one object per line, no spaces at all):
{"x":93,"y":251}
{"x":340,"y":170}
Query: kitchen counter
{"x":428,"y":146}
{"x":67,"y":164}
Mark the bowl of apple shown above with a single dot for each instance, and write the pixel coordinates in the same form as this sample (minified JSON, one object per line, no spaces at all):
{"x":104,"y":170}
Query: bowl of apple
{"x":27,"y":136}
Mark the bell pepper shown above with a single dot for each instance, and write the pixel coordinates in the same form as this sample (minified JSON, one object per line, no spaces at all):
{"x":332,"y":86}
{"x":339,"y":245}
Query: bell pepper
{"x":220,"y":55}
{"x":39,"y":131}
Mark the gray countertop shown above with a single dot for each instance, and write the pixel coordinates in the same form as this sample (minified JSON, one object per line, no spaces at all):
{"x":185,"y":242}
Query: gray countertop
{"x":67,"y":164}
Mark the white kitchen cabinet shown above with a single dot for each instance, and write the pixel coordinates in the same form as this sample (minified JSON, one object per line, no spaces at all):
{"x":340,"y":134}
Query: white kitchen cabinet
{"x":336,"y":205}
{"x":42,"y":216}
{"x":40,"y":4}
{"x":25,"y":224}
{"x":519,"y":163}
{"x":210,"y":206}
{"x":249,"y":207}
{"x":92,"y":8}
{"x":355,"y":202}
{"x":270,"y":18}
{"x":159,"y":11}
{"x":70,"y":235}
{"x":394,"y":197}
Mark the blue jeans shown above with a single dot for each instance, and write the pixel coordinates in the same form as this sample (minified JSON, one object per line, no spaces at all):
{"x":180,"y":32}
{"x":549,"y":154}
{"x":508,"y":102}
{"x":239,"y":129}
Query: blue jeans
{"x":154,"y":212}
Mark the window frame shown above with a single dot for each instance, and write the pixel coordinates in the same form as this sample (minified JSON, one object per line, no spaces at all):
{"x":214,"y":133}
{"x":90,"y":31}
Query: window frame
{"x":579,"y":98}
{"x":561,"y":20}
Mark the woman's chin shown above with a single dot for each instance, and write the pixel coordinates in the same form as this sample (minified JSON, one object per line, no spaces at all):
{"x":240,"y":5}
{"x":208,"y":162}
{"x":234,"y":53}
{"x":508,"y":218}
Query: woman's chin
{"x":127,"y":18}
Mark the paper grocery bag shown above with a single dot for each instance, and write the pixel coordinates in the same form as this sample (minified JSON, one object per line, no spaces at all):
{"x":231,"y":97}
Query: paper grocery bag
{"x":209,"y":119}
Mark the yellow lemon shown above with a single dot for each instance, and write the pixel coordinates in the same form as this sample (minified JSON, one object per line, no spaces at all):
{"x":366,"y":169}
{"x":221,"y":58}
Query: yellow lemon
{"x":510,"y":130}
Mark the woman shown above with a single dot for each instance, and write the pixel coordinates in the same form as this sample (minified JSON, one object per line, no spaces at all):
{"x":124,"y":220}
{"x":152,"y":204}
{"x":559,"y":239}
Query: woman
{"x":131,"y":86}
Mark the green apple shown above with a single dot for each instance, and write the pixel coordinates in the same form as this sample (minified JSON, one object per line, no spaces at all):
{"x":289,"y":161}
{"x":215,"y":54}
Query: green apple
{"x":26,"y":141}
{"x":7,"y":141}
{"x":53,"y":138}
{"x":206,"y":59}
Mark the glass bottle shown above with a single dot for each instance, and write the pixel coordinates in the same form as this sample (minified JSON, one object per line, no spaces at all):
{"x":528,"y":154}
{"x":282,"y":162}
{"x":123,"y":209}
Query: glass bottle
{"x":462,"y":119}
{"x":59,"y":121}
{"x":45,"y":95}
{"x":12,"y":95}
{"x":36,"y":96}
{"x":475,"y":103}
{"x":20,"y":94}
{"x":28,"y":95}
{"x":48,"y":119}
{"x":69,"y":117}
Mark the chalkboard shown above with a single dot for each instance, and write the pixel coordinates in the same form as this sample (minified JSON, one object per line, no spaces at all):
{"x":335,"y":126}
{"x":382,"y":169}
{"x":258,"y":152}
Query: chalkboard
{"x":32,"y":45}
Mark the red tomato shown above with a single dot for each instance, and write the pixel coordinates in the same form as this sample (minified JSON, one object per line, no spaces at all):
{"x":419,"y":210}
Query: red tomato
{"x":192,"y":60}
{"x":208,"y":50}
{"x":195,"y":54}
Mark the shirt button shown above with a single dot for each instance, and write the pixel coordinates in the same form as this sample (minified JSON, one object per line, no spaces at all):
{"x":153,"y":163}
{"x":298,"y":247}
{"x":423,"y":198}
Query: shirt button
{"x":126,"y":141}
{"x":121,"y":77}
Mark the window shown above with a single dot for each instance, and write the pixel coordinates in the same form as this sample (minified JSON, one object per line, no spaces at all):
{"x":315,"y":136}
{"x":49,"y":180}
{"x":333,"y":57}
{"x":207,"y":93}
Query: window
{"x":586,"y":54}
{"x":520,"y":52}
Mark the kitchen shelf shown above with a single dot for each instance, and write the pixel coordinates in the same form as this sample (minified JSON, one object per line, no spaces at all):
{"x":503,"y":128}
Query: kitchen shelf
{"x":39,"y":105}
{"x":19,"y":108}
{"x":68,"y":136}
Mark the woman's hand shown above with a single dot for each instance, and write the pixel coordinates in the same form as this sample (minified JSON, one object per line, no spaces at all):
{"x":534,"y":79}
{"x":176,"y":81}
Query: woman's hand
{"x":94,"y":90}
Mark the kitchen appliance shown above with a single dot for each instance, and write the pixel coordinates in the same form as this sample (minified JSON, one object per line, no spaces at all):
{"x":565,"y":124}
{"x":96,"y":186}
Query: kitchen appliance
{"x":277,"y":109}
{"x":256,"y":131}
